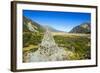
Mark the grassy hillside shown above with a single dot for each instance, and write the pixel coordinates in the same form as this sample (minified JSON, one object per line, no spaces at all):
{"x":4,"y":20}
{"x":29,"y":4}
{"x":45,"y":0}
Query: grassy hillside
{"x":35,"y":25}
{"x":30,"y":37}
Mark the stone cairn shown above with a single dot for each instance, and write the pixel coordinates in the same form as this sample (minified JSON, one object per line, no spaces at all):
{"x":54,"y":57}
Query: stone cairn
{"x":48,"y":50}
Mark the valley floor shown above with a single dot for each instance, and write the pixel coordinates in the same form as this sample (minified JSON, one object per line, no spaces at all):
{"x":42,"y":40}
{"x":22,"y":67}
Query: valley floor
{"x":78,"y":45}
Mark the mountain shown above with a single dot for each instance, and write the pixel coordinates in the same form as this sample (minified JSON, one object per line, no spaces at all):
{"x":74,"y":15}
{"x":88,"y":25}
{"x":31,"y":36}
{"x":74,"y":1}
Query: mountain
{"x":31,"y":26}
{"x":82,"y":28}
{"x":51,"y":28}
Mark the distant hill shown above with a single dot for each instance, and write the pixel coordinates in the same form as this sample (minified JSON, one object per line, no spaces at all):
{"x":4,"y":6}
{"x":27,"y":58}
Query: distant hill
{"x":51,"y":28}
{"x":31,"y":26}
{"x":82,"y":28}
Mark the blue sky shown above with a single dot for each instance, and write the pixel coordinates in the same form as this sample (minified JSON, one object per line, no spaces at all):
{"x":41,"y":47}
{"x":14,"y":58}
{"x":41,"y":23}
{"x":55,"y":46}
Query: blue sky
{"x":63,"y":21}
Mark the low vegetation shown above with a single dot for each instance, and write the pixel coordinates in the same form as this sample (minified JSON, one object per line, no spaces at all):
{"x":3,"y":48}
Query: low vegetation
{"x":78,"y":45}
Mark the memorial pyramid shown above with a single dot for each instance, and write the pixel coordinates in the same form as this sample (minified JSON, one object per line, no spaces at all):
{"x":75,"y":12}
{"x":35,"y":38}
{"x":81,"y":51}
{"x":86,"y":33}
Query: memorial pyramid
{"x":48,"y":50}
